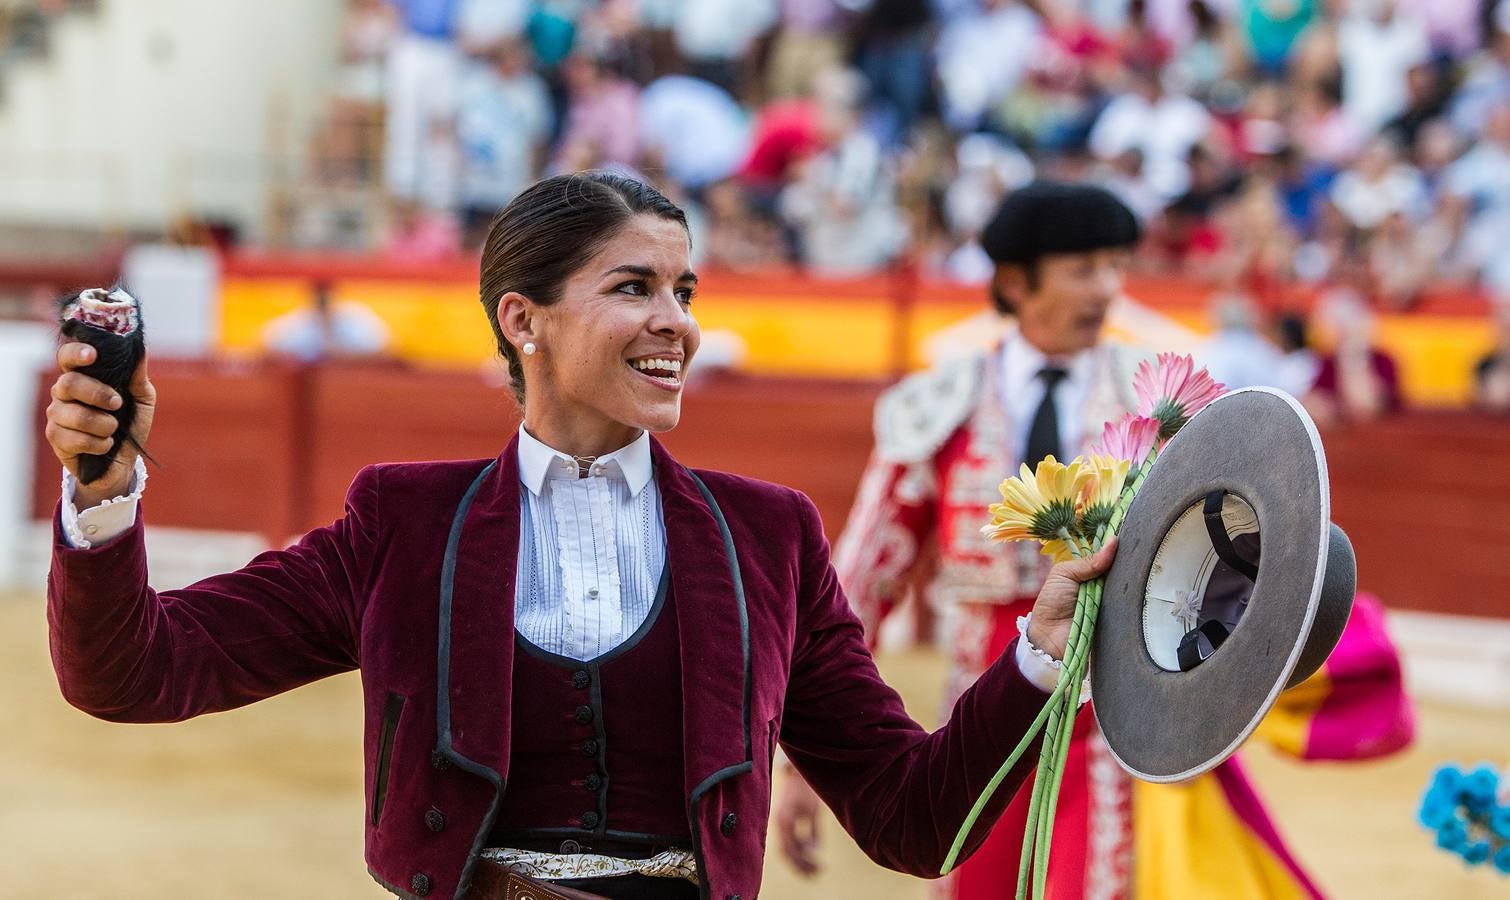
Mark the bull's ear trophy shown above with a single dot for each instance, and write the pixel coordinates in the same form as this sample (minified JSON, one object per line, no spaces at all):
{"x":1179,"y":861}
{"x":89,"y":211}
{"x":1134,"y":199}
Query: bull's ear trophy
{"x":1230,"y":584}
{"x":110,"y":321}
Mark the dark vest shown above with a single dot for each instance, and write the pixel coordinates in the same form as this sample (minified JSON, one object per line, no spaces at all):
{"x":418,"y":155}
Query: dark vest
{"x":585,"y":771}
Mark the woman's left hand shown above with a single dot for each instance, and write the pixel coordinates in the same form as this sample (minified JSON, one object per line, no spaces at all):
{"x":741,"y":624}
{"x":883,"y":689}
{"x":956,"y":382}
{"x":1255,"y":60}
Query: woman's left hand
{"x":1054,"y":610}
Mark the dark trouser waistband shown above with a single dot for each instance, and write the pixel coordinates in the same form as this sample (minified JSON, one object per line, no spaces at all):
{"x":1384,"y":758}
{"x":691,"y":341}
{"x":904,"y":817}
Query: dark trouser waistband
{"x":634,"y":887}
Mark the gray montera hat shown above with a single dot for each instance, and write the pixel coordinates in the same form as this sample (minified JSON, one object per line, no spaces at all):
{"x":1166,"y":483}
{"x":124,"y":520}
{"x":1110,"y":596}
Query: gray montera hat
{"x":1197,"y":634}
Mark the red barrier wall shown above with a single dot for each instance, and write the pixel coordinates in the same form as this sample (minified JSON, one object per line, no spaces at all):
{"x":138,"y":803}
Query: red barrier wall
{"x":1426,"y":498}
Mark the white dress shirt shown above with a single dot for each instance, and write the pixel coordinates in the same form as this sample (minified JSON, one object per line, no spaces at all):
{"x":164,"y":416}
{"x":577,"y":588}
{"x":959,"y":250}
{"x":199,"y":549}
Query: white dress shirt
{"x":1022,"y":391}
{"x":591,"y":550}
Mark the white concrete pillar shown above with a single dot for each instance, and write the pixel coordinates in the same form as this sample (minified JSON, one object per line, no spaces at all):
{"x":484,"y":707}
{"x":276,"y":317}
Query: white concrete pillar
{"x":25,"y":347}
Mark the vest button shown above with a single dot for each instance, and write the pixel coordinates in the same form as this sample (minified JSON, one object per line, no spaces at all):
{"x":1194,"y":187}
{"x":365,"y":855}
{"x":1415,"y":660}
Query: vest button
{"x":729,"y":823}
{"x":438,"y":761}
{"x":589,"y":819}
{"x":435,"y":820}
{"x":420,"y":884}
{"x":584,"y":714}
{"x":589,"y":747}
{"x":580,"y":679}
{"x":570,"y":847}
{"x":594,"y":782}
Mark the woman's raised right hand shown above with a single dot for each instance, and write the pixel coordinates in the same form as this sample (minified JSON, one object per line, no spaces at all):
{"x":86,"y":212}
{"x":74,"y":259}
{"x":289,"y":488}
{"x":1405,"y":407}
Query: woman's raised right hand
{"x":80,"y":421}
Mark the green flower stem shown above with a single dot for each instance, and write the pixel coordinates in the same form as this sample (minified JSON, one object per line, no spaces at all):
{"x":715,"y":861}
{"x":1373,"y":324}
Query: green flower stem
{"x":1080,"y":660}
{"x":1057,"y":717}
{"x":1045,"y":779}
{"x":1050,"y":801}
{"x":995,"y":782}
{"x":1038,"y":836}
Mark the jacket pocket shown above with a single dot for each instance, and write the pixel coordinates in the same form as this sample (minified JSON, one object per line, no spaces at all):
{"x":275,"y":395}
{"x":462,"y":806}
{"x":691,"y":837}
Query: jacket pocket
{"x":391,"y":712}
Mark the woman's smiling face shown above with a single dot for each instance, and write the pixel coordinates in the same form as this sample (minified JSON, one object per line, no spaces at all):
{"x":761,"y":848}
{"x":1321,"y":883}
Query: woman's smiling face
{"x":613,"y":352}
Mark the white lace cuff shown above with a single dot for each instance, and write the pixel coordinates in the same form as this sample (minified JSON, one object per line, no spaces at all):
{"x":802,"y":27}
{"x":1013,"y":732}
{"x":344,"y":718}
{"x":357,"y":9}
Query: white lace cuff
{"x":1038,"y":667}
{"x":100,"y":523}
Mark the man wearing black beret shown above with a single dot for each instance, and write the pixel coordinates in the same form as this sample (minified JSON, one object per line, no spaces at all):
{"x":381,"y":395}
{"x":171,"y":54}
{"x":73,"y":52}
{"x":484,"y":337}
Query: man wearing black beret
{"x":945,"y":438}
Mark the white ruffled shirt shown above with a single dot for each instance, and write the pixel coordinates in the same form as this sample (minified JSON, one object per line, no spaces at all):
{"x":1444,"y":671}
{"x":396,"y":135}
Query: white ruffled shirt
{"x":591,"y":550}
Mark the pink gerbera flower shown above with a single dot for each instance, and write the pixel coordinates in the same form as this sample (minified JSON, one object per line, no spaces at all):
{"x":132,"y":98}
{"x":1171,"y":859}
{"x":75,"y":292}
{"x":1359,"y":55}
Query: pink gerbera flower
{"x":1172,"y":390}
{"x":1129,"y":438}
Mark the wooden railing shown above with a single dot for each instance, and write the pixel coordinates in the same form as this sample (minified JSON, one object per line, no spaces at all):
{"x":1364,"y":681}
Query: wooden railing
{"x":271,"y":449}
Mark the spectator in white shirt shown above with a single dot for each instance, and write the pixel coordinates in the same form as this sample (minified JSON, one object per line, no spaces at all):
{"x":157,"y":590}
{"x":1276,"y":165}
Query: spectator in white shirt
{"x":1162,"y":125}
{"x":843,"y":203}
{"x":1377,"y":46}
{"x":982,"y":56}
{"x":482,"y":25}
{"x":1477,"y":201}
{"x":1379,"y":186}
{"x":1486,"y":81}
{"x":503,"y":126}
{"x":424,"y":72}
{"x":715,"y":36}
{"x":692,"y":128}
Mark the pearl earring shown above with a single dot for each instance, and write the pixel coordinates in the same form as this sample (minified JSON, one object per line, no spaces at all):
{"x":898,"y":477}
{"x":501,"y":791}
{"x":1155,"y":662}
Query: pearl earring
{"x":529,"y":348}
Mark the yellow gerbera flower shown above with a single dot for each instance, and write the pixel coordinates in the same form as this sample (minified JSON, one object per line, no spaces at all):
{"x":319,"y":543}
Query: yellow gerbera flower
{"x":1109,"y":474}
{"x":1041,"y":504}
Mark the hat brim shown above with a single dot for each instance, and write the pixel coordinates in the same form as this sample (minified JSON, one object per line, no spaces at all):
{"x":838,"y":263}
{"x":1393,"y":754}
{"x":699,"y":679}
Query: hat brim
{"x":1168,"y":726}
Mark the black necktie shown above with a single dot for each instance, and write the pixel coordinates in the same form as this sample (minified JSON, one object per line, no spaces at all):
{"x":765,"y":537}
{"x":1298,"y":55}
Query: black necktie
{"x":1043,"y":437}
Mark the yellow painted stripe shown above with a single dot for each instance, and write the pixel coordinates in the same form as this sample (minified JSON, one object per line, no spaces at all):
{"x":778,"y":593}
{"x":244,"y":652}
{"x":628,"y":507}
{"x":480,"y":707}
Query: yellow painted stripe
{"x":798,"y":334}
{"x":1436,"y":355}
{"x":848,"y":338}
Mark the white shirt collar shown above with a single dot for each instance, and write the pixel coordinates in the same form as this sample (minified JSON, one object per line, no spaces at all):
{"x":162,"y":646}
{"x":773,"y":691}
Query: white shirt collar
{"x":537,"y":461}
{"x":1023,"y":361}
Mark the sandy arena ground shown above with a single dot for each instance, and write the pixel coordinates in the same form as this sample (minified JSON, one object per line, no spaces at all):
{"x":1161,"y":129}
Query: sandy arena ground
{"x":266,"y":801}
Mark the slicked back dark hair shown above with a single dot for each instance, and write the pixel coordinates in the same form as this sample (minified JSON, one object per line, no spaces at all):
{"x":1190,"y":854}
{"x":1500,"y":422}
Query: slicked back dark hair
{"x":549,"y":231}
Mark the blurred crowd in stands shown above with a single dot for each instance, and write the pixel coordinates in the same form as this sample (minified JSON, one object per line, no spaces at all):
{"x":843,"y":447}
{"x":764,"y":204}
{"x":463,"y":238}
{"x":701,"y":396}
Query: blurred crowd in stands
{"x":1264,"y":143}
{"x":1359,"y":149}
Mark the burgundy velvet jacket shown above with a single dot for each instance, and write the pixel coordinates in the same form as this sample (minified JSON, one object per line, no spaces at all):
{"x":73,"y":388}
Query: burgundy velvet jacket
{"x":770,"y":651}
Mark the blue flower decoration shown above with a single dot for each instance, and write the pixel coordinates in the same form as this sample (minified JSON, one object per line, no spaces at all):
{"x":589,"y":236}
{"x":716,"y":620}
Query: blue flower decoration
{"x":1447,"y":779}
{"x":1434,"y":815}
{"x":1499,"y":822}
{"x":1479,"y":789}
{"x":1463,"y":810}
{"x":1453,"y":836}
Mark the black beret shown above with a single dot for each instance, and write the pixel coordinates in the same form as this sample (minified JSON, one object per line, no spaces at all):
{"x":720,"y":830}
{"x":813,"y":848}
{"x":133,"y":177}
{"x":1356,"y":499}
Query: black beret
{"x":1048,"y":217}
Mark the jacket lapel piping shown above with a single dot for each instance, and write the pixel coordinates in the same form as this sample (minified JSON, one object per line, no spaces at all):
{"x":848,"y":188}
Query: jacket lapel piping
{"x":443,"y":681}
{"x":694,"y":800}
{"x":739,"y":600}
